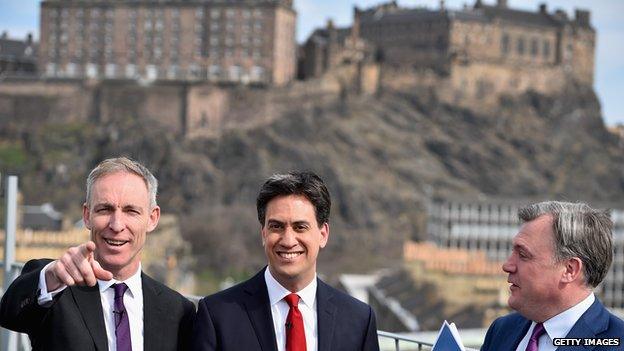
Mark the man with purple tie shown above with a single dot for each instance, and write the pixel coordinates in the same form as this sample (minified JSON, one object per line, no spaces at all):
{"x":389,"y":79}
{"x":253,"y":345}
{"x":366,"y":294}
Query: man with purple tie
{"x":561,"y":252}
{"x":95,"y":296}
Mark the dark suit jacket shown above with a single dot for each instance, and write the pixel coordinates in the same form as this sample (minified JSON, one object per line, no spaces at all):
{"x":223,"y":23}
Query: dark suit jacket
{"x":507,"y":332}
{"x":240,"y":318}
{"x":75,"y":320}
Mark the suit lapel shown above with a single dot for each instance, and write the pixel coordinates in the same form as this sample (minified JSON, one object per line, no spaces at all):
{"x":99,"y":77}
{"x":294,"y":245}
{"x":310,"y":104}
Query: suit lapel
{"x":326,"y":312}
{"x":153,"y":315}
{"x":515,"y":335}
{"x":259,"y":311}
{"x":593,"y":322}
{"x":90,"y":305}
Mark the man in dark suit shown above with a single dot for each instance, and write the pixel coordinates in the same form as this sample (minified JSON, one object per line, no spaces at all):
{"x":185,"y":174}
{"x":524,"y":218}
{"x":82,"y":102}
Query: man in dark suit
{"x":285,"y":307}
{"x":95,"y":296}
{"x":562,"y":251}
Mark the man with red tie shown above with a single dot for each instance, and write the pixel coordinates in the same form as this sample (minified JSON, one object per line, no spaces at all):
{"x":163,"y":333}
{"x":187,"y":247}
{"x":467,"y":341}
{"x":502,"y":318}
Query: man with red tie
{"x":560,"y":254}
{"x":285,"y":307}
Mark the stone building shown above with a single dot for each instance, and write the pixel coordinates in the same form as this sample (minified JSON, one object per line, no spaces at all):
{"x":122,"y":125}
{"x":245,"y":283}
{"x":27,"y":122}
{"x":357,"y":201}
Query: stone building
{"x":246,"y":41}
{"x":18,"y":58}
{"x":474,"y":54}
{"x":331,"y":46}
{"x":339,"y":56}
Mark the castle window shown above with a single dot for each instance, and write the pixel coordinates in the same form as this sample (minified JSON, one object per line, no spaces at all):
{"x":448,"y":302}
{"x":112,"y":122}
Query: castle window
{"x":520,"y":47}
{"x":534,"y":47}
{"x":505,"y":44}
{"x":235,"y":73}
{"x":546,"y":49}
{"x":199,"y":13}
{"x":214,"y":72}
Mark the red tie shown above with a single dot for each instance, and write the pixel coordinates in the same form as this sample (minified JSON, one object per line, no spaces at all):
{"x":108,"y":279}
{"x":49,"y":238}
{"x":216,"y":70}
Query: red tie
{"x":295,"y":334}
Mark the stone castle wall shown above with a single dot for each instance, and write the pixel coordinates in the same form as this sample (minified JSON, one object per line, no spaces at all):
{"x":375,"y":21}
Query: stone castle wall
{"x":471,"y":57}
{"x":500,"y":43}
{"x":38,"y":102}
{"x":186,"y":109}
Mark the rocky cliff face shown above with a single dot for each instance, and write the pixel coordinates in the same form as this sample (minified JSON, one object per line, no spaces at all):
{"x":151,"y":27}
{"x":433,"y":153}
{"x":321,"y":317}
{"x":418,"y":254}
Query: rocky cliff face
{"x":382,"y":157}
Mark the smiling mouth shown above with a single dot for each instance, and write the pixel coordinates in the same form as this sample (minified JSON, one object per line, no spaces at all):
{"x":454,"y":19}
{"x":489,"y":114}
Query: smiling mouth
{"x":112,"y":242}
{"x":289,"y":255}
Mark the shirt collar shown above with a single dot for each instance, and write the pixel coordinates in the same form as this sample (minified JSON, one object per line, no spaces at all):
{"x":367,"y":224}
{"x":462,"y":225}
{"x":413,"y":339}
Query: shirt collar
{"x":560,"y":325}
{"x":133,"y":282}
{"x":277,"y":292}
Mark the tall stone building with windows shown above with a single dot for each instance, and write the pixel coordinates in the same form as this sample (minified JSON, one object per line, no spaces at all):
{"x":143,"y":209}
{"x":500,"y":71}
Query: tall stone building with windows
{"x":476,"y":53}
{"x":241,"y":41}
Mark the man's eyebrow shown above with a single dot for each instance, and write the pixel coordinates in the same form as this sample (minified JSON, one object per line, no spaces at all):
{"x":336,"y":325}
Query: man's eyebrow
{"x":103,"y":205}
{"x":520,"y":246}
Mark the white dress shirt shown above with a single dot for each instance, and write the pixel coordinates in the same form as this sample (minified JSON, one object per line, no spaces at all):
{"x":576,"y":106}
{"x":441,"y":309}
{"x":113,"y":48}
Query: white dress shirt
{"x":280,"y":308}
{"x":558,"y":326}
{"x":133,"y":302}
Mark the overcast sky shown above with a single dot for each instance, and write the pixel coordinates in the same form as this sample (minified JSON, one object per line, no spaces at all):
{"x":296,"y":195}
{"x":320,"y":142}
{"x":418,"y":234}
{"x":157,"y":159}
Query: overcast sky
{"x":19,"y":17}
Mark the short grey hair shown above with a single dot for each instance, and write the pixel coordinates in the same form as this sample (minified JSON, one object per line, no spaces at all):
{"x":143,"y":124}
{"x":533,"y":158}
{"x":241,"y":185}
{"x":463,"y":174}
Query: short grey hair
{"x":123,"y":164}
{"x":579,"y":231}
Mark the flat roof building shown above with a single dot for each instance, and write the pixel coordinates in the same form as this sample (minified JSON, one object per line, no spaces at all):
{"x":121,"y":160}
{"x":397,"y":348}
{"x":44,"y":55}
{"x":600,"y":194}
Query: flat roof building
{"x":243,"y":41}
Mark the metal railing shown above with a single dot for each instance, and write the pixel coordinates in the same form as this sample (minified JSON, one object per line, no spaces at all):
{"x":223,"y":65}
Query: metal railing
{"x":398,"y":340}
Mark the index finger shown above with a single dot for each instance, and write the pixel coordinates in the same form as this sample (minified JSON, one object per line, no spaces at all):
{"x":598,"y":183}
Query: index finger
{"x":87,"y":248}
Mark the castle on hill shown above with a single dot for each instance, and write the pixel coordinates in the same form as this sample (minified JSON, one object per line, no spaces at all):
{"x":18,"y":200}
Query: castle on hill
{"x":471,"y":54}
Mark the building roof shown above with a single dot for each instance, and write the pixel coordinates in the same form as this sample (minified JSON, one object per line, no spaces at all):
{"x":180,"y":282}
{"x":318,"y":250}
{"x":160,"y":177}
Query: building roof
{"x":17,"y":50}
{"x":518,"y":16}
{"x":321,"y":35}
{"x":385,"y":13}
{"x":400,"y":15}
{"x":46,"y":209}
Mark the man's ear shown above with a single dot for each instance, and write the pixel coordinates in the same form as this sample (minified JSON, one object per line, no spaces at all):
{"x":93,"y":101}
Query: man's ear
{"x":154,"y":216}
{"x":324,"y":234}
{"x":86,"y":216}
{"x":573,"y":270}
{"x":263,"y":235}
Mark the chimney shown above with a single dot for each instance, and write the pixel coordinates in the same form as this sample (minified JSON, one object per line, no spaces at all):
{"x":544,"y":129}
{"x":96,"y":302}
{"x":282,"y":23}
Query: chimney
{"x":5,"y":35}
{"x":582,"y":17}
{"x":543,"y":9}
{"x":330,"y":24}
{"x":355,"y":28}
{"x":501,"y":3}
{"x":442,"y":5}
{"x":561,"y":14}
{"x":29,"y":39}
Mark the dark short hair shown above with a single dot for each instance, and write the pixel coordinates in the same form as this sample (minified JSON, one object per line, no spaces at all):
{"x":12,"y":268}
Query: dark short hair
{"x":579,"y":231}
{"x":305,"y":184}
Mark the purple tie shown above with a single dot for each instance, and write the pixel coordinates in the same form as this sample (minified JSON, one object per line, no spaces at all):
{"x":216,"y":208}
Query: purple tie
{"x":122,"y":325}
{"x":537,"y":332}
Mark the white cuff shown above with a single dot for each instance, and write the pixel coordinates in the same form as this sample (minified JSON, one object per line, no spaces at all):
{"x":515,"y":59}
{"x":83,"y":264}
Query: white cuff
{"x":45,"y":298}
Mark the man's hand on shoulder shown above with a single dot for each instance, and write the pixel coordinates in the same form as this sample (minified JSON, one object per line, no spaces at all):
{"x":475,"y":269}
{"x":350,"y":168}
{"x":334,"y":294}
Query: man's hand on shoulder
{"x":76,"y":267}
